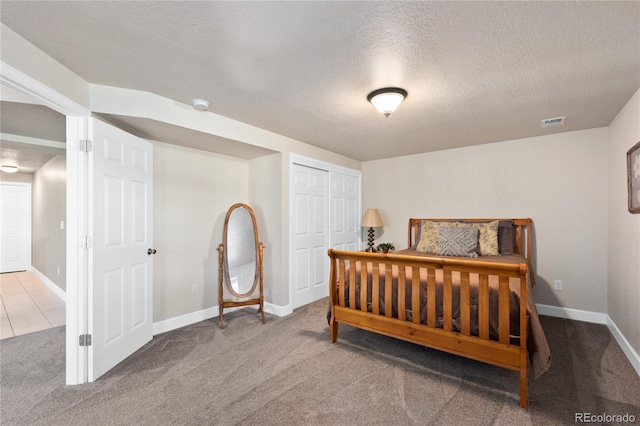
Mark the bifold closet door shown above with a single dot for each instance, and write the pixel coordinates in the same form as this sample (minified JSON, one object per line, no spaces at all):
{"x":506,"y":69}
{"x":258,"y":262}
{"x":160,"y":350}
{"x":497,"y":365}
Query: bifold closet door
{"x":344,"y":219}
{"x":310,"y":228}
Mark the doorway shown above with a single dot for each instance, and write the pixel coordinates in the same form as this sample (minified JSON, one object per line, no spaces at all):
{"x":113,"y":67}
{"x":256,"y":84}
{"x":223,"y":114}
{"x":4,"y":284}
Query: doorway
{"x":78,"y":219}
{"x":27,"y":304}
{"x":33,"y":253}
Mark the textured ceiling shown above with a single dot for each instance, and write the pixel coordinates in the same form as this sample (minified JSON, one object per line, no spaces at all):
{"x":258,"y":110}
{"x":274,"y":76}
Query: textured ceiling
{"x":476,"y":72}
{"x":28,"y":158}
{"x":40,"y":125}
{"x":35,"y":121}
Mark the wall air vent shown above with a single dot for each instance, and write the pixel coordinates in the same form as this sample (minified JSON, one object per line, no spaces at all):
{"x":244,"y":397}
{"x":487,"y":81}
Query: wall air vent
{"x":552,"y":122}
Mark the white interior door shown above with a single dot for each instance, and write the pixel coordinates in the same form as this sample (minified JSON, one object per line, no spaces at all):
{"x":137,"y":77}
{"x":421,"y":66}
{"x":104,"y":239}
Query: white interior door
{"x":345,"y":211}
{"x":15,"y":226}
{"x":310,"y":237}
{"x":120,"y":268}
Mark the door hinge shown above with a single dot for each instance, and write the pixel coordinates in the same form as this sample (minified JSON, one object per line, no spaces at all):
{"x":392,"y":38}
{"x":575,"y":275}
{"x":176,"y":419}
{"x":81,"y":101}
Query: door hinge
{"x":86,"y":242}
{"x":85,"y":340}
{"x":85,"y":145}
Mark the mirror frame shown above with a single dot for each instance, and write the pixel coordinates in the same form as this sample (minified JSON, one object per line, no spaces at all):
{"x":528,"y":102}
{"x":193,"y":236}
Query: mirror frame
{"x":223,"y":272}
{"x":256,"y":276}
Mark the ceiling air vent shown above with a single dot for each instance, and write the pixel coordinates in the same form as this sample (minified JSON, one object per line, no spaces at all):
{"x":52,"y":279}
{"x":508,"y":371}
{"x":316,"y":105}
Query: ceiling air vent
{"x":552,"y":122}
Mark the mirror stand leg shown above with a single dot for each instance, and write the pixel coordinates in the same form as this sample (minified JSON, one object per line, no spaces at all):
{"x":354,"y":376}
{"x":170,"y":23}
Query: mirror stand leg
{"x":262,"y":311}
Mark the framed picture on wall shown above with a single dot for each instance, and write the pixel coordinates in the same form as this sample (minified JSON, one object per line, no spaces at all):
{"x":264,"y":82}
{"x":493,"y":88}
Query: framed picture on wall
{"x":633,"y":178}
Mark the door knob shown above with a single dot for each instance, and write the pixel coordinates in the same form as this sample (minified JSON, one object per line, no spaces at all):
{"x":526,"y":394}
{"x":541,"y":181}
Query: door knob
{"x":151,"y":251}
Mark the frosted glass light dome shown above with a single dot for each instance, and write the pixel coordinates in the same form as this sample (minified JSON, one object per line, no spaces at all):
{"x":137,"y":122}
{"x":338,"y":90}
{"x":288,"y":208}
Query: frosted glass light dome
{"x":387,"y":100}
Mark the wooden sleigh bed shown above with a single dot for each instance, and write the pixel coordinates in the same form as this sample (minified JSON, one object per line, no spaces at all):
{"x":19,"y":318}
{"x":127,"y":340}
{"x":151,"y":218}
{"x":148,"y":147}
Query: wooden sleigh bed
{"x":480,"y":308}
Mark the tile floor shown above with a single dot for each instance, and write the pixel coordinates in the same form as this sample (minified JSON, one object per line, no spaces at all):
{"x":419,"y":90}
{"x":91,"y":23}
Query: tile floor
{"x":27,"y":305}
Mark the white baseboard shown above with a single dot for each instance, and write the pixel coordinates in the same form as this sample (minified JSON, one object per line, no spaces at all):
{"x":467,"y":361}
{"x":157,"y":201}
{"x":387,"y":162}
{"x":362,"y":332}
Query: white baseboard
{"x":277,"y":310}
{"x":57,"y":290}
{"x":626,"y":347}
{"x":597,"y":318}
{"x":205,"y":314}
{"x":184,"y":320}
{"x":573,"y":314}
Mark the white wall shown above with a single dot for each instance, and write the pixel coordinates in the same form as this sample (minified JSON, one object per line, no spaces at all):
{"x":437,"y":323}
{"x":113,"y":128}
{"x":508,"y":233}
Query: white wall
{"x":624,"y":228}
{"x":192,"y":192}
{"x":49,"y":208}
{"x":560,"y":181}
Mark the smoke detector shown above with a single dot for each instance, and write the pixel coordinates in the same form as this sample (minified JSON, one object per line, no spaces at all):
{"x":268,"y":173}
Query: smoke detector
{"x":200,"y":104}
{"x":552,"y":122}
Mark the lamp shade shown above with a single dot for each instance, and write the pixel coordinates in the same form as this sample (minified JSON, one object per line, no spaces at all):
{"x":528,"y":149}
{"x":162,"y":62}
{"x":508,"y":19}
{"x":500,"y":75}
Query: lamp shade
{"x":372,"y":219}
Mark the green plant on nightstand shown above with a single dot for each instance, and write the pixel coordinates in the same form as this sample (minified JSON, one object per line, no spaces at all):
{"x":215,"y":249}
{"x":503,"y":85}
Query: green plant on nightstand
{"x":385,"y":247}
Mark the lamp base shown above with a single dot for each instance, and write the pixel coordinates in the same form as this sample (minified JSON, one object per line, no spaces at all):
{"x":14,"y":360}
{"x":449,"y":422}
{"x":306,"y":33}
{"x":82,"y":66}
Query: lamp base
{"x":370,"y":248}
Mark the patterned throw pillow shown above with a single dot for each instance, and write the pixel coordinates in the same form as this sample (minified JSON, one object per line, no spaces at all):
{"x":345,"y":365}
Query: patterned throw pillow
{"x":458,"y":241}
{"x":488,"y":238}
{"x":430,"y":235}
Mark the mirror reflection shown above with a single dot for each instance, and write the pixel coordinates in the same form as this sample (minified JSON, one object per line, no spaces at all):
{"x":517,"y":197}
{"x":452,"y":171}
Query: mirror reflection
{"x":241,"y":261}
{"x":241,"y":253}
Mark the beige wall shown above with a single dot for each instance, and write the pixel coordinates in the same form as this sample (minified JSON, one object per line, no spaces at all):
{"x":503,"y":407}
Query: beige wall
{"x":16,"y":177}
{"x":192,"y":192}
{"x":624,"y":228}
{"x":48,"y":250}
{"x":560,"y":181}
{"x":265,"y":197}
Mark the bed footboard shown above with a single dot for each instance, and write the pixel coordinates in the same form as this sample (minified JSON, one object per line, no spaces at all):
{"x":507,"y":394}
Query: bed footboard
{"x":414,"y":298}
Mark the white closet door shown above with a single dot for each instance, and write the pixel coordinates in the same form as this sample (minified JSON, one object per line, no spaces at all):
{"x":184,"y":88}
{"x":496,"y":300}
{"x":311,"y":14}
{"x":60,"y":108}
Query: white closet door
{"x":121,"y":269}
{"x":310,"y":234}
{"x":345,"y":211}
{"x":15,"y":224}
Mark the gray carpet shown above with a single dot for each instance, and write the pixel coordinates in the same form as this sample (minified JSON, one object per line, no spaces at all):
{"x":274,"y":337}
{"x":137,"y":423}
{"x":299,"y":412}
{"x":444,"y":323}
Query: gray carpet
{"x":287,"y":372}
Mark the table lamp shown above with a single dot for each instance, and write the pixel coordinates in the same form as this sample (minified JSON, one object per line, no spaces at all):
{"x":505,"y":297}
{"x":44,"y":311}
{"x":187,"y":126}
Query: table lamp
{"x":371,"y":219}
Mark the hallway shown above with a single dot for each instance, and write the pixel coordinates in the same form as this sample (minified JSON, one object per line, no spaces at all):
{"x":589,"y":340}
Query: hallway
{"x":27,"y":305}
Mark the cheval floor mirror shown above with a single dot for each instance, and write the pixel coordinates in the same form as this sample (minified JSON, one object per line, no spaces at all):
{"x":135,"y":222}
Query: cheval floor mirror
{"x":241,"y":256}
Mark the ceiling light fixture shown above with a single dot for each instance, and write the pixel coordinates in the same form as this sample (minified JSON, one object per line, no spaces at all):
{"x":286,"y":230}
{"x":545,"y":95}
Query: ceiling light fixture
{"x":387,"y":100}
{"x":200,"y":104}
{"x":9,"y":169}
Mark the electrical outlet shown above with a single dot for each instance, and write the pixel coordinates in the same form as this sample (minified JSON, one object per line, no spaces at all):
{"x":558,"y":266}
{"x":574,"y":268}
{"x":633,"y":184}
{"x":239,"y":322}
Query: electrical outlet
{"x":557,"y":285}
{"x":194,"y":290}
{"x":62,"y":224}
{"x":58,"y":270}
